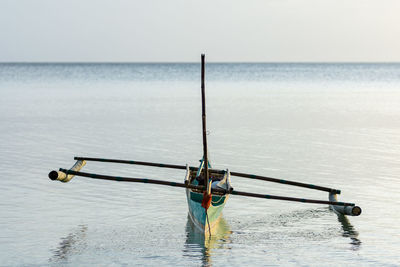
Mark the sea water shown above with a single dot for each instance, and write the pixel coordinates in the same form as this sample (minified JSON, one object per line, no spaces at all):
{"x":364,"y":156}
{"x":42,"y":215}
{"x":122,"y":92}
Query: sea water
{"x":335,"y":125}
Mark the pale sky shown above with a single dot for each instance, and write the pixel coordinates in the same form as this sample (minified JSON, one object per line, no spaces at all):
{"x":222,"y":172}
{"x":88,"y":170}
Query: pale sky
{"x":179,"y":30}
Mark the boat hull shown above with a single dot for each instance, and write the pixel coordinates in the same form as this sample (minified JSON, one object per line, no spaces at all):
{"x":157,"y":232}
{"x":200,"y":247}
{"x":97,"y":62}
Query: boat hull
{"x":198,"y":214}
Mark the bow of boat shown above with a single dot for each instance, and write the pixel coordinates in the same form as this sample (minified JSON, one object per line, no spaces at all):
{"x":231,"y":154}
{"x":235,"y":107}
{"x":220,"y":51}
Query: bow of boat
{"x":197,"y":213}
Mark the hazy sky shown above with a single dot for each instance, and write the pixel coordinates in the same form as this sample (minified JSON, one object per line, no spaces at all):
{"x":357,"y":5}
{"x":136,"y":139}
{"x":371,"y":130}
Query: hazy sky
{"x":179,"y":30}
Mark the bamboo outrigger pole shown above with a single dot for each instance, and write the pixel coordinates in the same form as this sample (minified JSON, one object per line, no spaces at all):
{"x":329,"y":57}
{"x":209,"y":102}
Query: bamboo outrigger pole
{"x":174,"y":184}
{"x":340,"y":207}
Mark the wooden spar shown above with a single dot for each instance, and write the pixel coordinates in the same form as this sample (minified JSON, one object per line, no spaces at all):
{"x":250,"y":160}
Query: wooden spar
{"x":244,"y":175}
{"x":281,"y":181}
{"x":201,"y":188}
{"x":203,"y":115}
{"x":135,"y":162}
{"x":304,"y":200}
{"x":131,"y":179}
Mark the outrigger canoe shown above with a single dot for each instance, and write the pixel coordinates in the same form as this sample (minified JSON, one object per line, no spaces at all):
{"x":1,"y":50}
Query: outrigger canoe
{"x":207,"y":189}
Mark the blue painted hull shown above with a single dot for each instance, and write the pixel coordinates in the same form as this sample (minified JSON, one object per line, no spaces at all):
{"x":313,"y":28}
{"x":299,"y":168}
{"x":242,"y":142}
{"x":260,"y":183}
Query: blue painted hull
{"x":198,"y":214}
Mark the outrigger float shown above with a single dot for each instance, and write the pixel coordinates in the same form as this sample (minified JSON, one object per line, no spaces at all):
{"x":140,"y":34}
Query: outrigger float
{"x":207,"y":189}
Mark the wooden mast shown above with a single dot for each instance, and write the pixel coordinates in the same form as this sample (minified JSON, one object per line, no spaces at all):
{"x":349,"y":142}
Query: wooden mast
{"x":203,"y":106}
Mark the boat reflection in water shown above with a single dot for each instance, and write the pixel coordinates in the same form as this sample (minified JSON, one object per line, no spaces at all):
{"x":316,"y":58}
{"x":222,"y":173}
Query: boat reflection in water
{"x":205,"y":244}
{"x":349,"y":231}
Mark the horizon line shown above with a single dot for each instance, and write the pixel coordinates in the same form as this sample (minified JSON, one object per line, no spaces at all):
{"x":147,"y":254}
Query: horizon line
{"x":197,"y":62}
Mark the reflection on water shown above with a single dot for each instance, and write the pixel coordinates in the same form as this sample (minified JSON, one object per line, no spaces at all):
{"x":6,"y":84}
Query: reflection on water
{"x":69,"y":244}
{"x":204,"y":246}
{"x":349,"y":231}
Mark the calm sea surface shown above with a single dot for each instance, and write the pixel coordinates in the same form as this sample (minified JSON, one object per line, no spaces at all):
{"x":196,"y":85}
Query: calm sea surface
{"x":335,"y":125}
